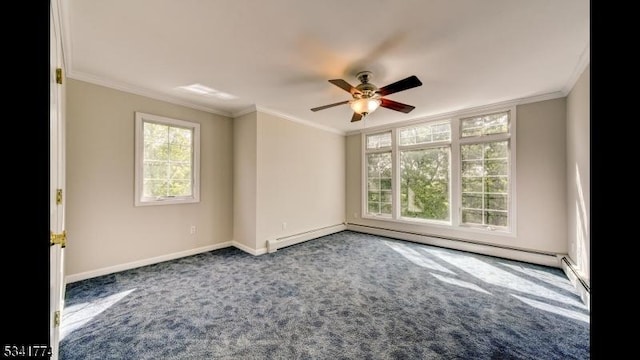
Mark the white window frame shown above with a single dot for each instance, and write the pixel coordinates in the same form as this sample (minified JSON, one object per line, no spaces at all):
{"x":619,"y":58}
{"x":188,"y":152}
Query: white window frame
{"x":455,"y":182}
{"x":140,"y":199}
{"x":423,"y":146}
{"x":511,"y":140}
{"x":365,"y":152}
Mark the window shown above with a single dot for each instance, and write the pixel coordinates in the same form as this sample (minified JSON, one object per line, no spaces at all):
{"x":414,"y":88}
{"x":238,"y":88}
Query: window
{"x":455,"y":173}
{"x":424,"y":171}
{"x":484,"y":153}
{"x":379,"y":189}
{"x":167,"y":160}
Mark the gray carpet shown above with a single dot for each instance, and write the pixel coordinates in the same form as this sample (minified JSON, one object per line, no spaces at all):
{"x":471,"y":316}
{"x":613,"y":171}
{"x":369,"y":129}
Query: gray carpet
{"x":342,"y":296}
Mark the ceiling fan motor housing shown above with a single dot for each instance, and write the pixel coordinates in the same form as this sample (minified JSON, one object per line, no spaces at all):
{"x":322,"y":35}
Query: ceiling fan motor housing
{"x":368,"y":97}
{"x":366,"y":89}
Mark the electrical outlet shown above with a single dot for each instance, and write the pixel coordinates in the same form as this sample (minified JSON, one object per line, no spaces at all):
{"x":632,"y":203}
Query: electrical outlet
{"x":193,"y":229}
{"x":284,"y":226}
{"x":355,"y":215}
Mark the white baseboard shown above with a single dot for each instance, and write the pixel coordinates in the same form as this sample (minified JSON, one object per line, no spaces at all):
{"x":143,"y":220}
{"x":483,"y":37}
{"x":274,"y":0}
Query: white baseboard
{"x":275,"y":244}
{"x":513,"y":254}
{"x":135,"y":264}
{"x":584,"y":290}
{"x":249,"y":250}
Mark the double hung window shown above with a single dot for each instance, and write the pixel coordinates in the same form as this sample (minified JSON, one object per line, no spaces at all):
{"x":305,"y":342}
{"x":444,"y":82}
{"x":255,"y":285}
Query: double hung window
{"x":167,"y":160}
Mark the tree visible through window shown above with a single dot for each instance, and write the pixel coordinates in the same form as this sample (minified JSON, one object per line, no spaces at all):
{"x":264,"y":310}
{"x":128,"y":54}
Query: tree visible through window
{"x":485,"y":170}
{"x":456,"y":172}
{"x":485,"y":183}
{"x":424,"y":171}
{"x":379,"y":175}
{"x":166,"y":160}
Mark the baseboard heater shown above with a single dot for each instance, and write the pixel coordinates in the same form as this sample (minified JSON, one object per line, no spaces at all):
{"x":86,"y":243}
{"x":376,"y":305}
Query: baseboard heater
{"x":541,"y":258}
{"x":584,"y":289}
{"x":275,"y":244}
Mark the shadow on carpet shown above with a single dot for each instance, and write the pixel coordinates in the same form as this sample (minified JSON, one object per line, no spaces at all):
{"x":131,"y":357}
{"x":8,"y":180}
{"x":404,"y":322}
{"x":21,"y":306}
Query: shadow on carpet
{"x":343,"y":296}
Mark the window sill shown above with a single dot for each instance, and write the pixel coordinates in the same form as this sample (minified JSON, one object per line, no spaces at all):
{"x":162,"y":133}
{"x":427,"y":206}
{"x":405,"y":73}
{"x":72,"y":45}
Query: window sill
{"x":438,"y":228}
{"x":166,"y":202}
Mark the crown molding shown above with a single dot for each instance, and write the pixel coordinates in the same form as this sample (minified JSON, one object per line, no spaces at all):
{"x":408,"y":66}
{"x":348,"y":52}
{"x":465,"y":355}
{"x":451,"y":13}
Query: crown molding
{"x":295,"y":119}
{"x":166,"y":98}
{"x":61,"y":7}
{"x":247,"y":110}
{"x":63,"y":10}
{"x":262,"y":109}
{"x":466,"y":111}
{"x":142,"y":92}
{"x":583,"y":61}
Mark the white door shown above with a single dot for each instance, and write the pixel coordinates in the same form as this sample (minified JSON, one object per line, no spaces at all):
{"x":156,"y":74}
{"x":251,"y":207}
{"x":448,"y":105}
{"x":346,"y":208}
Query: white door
{"x":57,"y":172}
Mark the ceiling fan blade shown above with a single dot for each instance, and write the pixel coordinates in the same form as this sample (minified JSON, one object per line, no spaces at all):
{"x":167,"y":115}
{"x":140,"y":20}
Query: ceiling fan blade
{"x":344,"y":85}
{"x":404,"y":84}
{"x":394,"y":105}
{"x":356,"y":117}
{"x":330,"y":105}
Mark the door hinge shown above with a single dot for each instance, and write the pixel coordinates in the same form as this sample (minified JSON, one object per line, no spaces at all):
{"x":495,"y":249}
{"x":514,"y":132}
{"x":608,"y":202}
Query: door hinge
{"x":58,"y":196}
{"x":59,"y":238}
{"x":59,"y":75}
{"x":56,"y":318}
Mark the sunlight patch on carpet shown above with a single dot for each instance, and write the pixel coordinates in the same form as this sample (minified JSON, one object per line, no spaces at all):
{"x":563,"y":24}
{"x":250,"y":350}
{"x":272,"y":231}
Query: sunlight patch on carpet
{"x":417,"y":258}
{"x":460,"y":283}
{"x":541,"y":275}
{"x":76,"y":316}
{"x":496,"y":276}
{"x":553,"y":309}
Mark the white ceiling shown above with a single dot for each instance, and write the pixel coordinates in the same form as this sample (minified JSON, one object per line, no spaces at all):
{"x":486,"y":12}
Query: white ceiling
{"x":277,"y":55}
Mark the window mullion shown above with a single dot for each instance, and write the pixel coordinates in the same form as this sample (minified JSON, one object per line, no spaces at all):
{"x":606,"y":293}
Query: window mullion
{"x":395,"y":175}
{"x":455,"y":197}
{"x":424,"y":146}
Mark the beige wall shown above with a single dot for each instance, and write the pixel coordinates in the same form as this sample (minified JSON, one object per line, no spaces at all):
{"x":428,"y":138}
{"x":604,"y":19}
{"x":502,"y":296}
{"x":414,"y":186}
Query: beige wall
{"x":579,"y":173}
{"x":260,"y":171}
{"x":104,"y":228}
{"x":540,"y":184}
{"x":541,"y":176}
{"x":244,"y":179}
{"x":301,"y":173}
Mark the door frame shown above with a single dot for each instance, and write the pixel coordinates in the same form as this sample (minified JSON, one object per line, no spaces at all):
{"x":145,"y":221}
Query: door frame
{"x":57,"y":178}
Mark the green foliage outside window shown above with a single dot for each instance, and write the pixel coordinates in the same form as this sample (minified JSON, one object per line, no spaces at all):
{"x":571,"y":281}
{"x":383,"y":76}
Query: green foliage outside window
{"x":167,"y":161}
{"x":424,"y":188}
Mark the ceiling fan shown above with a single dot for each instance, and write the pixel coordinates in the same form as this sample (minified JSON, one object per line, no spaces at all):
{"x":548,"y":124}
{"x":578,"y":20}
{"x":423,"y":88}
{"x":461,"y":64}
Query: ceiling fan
{"x":367,"y":97}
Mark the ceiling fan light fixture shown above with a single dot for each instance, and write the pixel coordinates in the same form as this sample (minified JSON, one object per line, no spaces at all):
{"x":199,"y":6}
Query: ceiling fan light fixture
{"x":367,"y":97}
{"x":365,"y":106}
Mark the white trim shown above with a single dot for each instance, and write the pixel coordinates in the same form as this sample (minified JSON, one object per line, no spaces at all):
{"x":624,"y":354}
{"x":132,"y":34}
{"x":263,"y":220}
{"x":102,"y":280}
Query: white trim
{"x":132,"y":89}
{"x":65,"y":34}
{"x":144,"y":262}
{"x":298,"y":120}
{"x":455,"y":183}
{"x":274,"y":244}
{"x":576,"y":280}
{"x":583,"y":61}
{"x":68,"y":62}
{"x":245,"y":248}
{"x":140,"y":199}
{"x":462,"y":112}
{"x":248,"y":110}
{"x":395,"y":177}
{"x":57,"y":178}
{"x":547,"y":259}
{"x":364,"y":176}
{"x":163,"y":97}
